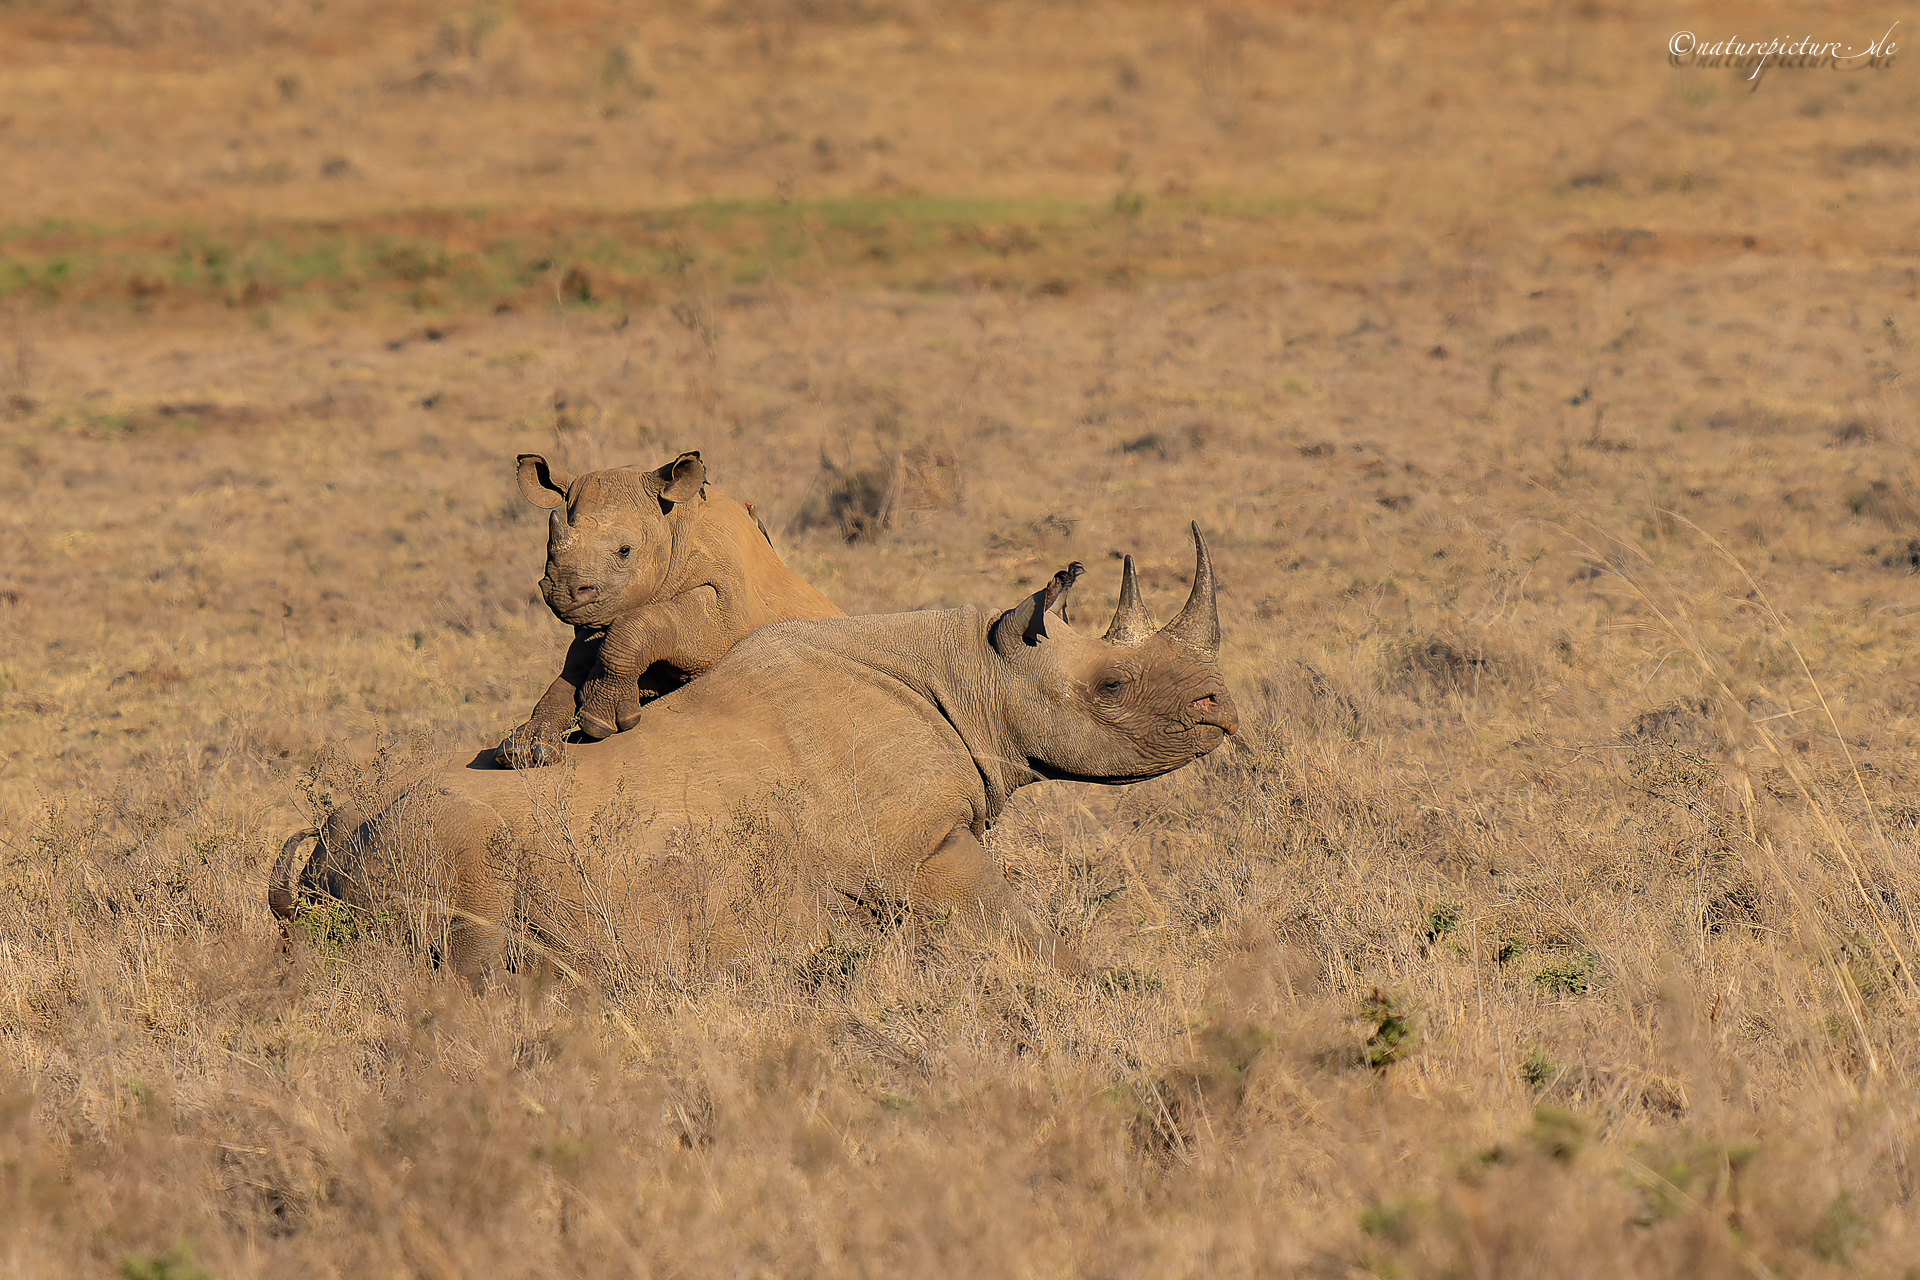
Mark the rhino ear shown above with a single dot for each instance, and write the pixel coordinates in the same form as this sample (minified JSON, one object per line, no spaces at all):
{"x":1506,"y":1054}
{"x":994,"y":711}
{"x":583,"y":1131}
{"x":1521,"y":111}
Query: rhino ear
{"x":1025,"y":625}
{"x":1022,"y":626}
{"x":681,"y":479}
{"x":540,"y":484}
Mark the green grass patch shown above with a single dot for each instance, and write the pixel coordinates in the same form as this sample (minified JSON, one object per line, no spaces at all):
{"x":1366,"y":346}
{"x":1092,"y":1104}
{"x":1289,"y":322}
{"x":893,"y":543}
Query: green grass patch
{"x":1573,"y":976}
{"x":1393,"y":1030}
{"x":459,"y":260}
{"x":1537,"y":1070}
{"x":176,"y":1264}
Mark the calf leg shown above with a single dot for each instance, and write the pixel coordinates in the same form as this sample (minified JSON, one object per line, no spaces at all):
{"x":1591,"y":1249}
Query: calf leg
{"x":685,"y":631}
{"x":608,"y":704}
{"x":959,"y":875}
{"x":616,"y":701}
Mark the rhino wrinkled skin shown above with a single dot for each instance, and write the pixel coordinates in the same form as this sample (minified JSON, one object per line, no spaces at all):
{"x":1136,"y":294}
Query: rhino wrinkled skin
{"x":894,"y":741}
{"x":659,"y":574}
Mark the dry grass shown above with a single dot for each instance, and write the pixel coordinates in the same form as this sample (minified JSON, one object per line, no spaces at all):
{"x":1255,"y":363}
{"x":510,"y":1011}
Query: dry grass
{"x":1548,"y":918}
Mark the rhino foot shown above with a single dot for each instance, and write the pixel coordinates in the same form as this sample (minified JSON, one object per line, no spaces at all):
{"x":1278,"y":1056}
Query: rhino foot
{"x":596,"y":726}
{"x":521,"y":750}
{"x":626,"y":707}
{"x":600,"y":704}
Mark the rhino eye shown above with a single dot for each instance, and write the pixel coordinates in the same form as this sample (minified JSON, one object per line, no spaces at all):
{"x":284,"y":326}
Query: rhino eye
{"x":1112,"y":685}
{"x":625,"y":552}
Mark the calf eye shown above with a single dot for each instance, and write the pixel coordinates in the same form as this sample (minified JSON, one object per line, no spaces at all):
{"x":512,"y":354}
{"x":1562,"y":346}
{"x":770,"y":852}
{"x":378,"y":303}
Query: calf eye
{"x":625,"y":552}
{"x":1113,"y":685}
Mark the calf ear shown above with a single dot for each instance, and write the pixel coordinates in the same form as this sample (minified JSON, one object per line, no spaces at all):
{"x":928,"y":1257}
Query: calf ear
{"x":681,"y":479}
{"x":540,"y":484}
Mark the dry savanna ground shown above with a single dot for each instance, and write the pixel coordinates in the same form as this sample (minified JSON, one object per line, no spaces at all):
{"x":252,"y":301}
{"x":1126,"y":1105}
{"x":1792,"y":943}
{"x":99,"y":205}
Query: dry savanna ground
{"x":1549,"y":411}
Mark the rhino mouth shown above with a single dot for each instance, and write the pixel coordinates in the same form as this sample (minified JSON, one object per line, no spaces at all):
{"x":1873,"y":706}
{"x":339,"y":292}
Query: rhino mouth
{"x":579,"y":615}
{"x":574,"y":612}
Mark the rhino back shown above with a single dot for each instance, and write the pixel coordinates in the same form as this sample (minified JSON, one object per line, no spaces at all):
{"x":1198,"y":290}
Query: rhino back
{"x":785,"y":720}
{"x":769,"y":591}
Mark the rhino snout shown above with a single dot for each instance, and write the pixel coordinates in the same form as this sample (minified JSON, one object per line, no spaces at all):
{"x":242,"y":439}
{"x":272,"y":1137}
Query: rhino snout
{"x":1217,"y":710}
{"x":563,"y":591}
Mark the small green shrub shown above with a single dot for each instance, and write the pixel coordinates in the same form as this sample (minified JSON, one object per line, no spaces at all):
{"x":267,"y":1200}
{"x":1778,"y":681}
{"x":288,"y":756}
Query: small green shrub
{"x":175,"y":1264}
{"x":1572,"y":977}
{"x":1840,"y":1232}
{"x":1393,"y":1221}
{"x":1537,"y":1070}
{"x":831,"y":964}
{"x":330,"y":926}
{"x":1137,"y":981}
{"x":1557,"y":1134}
{"x":1394,"y":1030}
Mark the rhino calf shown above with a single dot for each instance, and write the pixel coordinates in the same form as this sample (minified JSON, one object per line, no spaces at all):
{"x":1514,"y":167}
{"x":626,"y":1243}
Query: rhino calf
{"x":891,"y":741}
{"x":659,"y":574}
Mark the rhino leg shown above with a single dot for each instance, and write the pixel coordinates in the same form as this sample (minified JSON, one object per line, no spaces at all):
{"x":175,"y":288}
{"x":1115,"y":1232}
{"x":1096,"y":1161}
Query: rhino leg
{"x":677,"y":637}
{"x":443,"y":863}
{"x":611,"y":703}
{"x":600,"y":703}
{"x":482,"y":891}
{"x":959,"y":875}
{"x":626,"y":706}
{"x":656,"y":681}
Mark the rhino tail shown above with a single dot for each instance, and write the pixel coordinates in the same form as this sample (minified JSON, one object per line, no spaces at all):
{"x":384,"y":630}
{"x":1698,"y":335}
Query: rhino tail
{"x":280,"y":895}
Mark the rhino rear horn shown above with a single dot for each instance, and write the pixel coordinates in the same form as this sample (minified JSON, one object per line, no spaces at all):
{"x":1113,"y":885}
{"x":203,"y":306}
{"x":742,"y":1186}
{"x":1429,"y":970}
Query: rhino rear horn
{"x":1131,"y":622}
{"x":1199,"y":621}
{"x":540,"y":484}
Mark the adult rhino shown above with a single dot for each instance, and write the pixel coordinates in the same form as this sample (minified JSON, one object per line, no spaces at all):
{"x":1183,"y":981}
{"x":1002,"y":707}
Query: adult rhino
{"x":658,"y":574}
{"x":891,"y":742}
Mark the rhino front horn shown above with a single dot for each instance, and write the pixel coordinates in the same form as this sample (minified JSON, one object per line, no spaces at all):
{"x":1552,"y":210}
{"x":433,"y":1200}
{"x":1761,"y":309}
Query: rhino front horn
{"x":1131,"y":622}
{"x":558,"y":532}
{"x":1199,"y":621}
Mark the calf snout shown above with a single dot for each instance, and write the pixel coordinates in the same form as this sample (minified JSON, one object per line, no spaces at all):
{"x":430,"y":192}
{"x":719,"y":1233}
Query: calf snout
{"x":565,"y":593}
